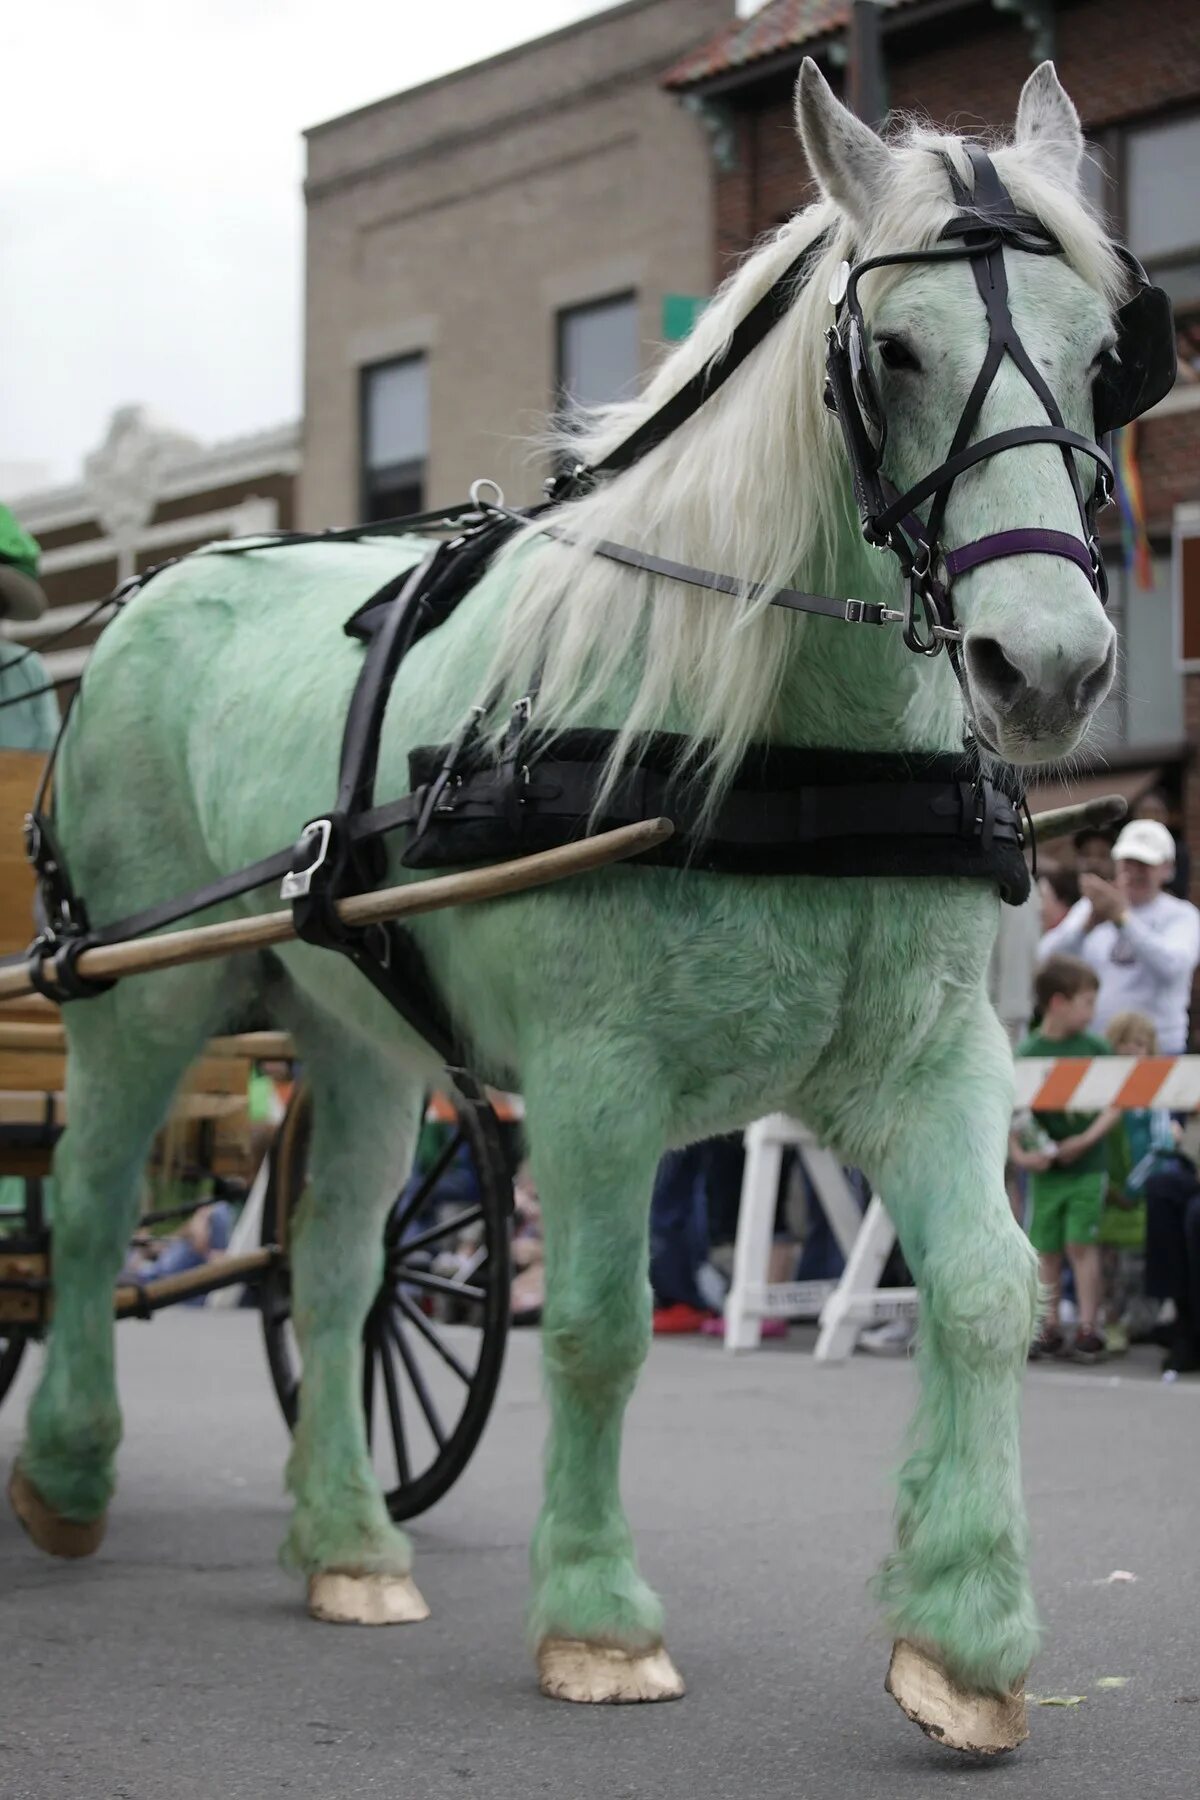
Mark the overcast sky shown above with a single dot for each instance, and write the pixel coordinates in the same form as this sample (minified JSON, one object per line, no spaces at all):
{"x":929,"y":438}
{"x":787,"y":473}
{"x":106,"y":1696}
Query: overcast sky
{"x":150,"y":211}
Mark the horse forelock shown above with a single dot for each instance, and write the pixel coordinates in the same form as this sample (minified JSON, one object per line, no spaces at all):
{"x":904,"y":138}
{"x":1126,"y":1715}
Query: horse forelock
{"x":754,"y":485}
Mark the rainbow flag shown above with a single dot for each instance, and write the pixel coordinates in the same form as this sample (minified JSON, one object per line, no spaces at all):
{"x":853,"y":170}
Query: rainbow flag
{"x":1130,"y":500}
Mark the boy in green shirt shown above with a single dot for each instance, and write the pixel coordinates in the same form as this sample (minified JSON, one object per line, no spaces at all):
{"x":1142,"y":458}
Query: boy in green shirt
{"x":1070,"y":1172}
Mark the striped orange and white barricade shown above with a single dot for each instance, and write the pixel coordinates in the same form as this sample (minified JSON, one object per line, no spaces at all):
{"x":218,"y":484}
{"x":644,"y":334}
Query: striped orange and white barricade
{"x":1090,"y":1083}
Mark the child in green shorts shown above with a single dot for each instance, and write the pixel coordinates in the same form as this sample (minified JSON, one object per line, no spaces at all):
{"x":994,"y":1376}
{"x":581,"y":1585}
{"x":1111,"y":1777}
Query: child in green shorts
{"x":1070,"y":1169}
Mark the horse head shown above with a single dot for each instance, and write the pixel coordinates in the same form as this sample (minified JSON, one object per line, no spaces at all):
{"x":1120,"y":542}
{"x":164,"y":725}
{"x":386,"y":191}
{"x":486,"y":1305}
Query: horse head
{"x":1010,"y":532}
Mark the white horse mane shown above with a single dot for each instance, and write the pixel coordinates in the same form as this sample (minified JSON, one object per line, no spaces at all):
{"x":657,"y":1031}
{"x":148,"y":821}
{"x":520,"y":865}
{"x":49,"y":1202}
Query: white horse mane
{"x":754,"y":485}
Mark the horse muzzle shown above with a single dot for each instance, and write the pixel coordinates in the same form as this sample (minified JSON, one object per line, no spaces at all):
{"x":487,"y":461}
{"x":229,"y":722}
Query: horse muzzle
{"x":1030,"y":706}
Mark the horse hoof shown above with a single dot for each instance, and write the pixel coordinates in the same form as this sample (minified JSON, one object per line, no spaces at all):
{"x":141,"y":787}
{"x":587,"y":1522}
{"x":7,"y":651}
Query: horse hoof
{"x":342,"y":1599}
{"x":985,"y":1724}
{"x":49,"y":1530}
{"x":600,"y":1675}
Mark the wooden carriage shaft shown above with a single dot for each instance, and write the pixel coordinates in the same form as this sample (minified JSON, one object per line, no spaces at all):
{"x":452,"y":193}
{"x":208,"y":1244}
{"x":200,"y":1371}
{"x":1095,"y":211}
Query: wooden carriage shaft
{"x":225,"y":1271}
{"x":27,"y":1298}
{"x":205,"y":942}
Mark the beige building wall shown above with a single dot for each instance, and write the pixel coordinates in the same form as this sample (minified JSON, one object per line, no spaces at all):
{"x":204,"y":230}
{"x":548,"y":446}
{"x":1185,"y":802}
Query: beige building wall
{"x":458,"y":217}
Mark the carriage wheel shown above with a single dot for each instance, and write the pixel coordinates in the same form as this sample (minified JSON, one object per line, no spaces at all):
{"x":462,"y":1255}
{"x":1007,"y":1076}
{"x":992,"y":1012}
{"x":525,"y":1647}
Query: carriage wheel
{"x":433,"y":1343}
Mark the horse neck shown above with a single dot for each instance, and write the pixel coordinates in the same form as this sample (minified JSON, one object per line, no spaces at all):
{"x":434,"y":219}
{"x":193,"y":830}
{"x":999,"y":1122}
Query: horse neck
{"x":856,"y":687}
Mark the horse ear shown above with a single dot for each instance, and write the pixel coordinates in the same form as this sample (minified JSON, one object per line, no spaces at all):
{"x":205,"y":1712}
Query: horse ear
{"x":852,"y":164}
{"x":1046,"y":118}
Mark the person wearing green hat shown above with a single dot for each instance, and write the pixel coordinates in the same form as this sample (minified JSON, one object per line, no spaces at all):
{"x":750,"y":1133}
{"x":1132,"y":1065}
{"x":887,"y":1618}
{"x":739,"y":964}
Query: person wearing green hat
{"x":29,"y":715}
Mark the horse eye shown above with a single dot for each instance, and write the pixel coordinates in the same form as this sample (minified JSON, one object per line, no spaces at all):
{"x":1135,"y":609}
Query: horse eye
{"x":896,"y":354}
{"x":1106,"y":358}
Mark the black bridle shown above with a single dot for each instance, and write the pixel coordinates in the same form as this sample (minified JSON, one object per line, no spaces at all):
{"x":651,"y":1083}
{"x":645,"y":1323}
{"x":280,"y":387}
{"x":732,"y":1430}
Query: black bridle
{"x":985,"y":225}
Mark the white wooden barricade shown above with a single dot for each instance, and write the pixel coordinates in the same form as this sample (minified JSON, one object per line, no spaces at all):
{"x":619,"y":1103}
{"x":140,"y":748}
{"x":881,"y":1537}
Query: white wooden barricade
{"x":845,"y":1307}
{"x":752,"y":1298}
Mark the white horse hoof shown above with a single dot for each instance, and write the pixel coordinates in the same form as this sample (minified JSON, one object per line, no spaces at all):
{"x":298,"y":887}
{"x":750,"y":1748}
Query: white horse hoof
{"x":952,"y":1715}
{"x":599,"y":1674}
{"x":341,"y":1599}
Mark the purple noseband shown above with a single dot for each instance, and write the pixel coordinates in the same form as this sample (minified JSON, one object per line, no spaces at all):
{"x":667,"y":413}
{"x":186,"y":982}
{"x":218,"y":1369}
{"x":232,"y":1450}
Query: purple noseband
{"x":1023,"y":540}
{"x":1028,"y":539}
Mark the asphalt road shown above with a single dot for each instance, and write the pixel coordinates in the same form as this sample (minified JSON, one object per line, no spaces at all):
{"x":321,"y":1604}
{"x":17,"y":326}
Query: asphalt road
{"x":179,"y":1663}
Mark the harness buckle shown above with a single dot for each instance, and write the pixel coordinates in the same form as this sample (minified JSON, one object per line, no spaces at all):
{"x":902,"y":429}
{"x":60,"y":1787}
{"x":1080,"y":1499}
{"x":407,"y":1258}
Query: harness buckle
{"x":869,"y":612}
{"x":563,"y":485}
{"x":297,"y":883}
{"x":513,"y":770}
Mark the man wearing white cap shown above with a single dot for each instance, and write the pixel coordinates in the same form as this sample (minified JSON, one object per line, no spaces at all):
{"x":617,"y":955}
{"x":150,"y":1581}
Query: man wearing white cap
{"x":1143,"y":944}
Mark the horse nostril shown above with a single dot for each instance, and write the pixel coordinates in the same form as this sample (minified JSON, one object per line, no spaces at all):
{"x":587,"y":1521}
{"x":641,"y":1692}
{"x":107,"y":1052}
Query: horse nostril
{"x":1093,"y":686}
{"x":992,"y":670}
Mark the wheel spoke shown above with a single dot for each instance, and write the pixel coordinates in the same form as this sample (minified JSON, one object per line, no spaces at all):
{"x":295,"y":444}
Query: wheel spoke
{"x":478,"y":1260}
{"x":370,"y":1350}
{"x":414,"y":1203}
{"x":413,"y":1313}
{"x":395,"y":1415}
{"x":395,"y":1330}
{"x":458,"y":1223}
{"x":435,"y":1284}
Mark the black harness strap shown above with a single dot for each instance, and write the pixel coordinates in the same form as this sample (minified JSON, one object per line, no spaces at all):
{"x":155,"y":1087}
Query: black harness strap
{"x":348,"y":861}
{"x":989,"y":446}
{"x":362,"y":827}
{"x":855,"y":612}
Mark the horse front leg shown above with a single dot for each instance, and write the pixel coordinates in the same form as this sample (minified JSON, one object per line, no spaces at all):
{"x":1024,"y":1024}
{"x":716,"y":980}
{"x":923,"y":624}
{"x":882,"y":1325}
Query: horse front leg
{"x":957,"y":1585}
{"x":596,"y":1625}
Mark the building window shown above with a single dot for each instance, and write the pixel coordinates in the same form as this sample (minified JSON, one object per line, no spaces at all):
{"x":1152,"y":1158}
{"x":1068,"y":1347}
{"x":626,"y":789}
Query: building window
{"x":394,"y":404}
{"x":1162,"y":204}
{"x":597,"y":352}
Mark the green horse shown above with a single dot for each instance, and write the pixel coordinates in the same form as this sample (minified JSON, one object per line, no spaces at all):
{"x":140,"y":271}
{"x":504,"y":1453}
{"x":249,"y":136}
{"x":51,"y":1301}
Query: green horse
{"x":642,"y":1007}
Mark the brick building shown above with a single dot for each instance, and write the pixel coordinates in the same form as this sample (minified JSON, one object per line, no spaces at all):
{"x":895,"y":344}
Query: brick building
{"x":1134,"y":74}
{"x":479,"y":246}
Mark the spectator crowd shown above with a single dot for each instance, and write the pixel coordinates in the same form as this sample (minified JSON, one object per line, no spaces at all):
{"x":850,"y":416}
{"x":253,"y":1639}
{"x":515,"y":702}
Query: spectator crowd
{"x":1114,"y":1197}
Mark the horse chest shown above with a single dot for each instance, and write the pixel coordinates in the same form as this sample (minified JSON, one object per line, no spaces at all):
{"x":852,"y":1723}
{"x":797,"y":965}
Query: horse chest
{"x":758,"y":985}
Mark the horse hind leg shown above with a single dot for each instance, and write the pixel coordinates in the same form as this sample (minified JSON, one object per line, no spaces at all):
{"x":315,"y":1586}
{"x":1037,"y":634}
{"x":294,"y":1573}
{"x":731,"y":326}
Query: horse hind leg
{"x":365,"y":1116}
{"x":596,"y":1624}
{"x":128,"y":1051}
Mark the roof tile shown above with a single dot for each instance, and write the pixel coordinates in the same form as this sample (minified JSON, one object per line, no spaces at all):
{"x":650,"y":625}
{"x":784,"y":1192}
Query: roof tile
{"x":781,"y":25}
